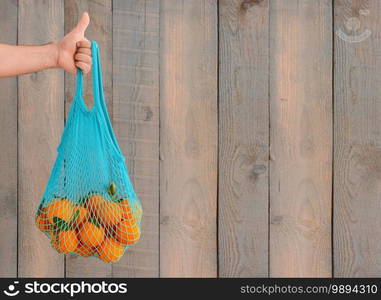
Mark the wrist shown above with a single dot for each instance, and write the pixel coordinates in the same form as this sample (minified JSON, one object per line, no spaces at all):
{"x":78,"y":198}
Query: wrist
{"x":53,"y":55}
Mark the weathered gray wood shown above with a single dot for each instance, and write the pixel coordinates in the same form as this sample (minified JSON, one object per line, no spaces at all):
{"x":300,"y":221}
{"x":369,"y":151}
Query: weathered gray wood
{"x":357,"y":132}
{"x":40,"y":123}
{"x":136,"y":122}
{"x":8,"y":149}
{"x":243,"y":139}
{"x":100,"y":30}
{"x":188,"y":138}
{"x":300,"y":138}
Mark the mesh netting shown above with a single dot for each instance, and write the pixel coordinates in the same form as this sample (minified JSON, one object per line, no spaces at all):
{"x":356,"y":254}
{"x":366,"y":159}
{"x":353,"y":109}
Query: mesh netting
{"x":89,"y":207}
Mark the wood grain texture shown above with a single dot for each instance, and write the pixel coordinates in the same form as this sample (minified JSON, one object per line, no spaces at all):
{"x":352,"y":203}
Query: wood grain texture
{"x":243,"y":139}
{"x":275,"y":139}
{"x":300,"y":138}
{"x":40,"y":123}
{"x":188,"y":138}
{"x":136,"y":122}
{"x":100,"y":30}
{"x":357,"y":132}
{"x":8,"y":149}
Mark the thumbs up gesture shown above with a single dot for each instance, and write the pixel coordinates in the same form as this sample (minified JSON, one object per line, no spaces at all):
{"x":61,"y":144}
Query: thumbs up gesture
{"x":74,"y":50}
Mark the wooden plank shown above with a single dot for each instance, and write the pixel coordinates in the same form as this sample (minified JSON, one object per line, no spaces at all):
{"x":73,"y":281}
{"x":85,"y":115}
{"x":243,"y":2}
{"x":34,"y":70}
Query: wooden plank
{"x":188,"y":138}
{"x":100,"y":30}
{"x":300,"y":138}
{"x":357,"y":133}
{"x":41,"y":112}
{"x":8,"y":149}
{"x":243,"y":139}
{"x":136,"y":122}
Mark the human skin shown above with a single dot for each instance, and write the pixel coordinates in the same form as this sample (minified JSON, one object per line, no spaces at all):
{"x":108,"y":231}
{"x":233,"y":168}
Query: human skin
{"x":70,"y":53}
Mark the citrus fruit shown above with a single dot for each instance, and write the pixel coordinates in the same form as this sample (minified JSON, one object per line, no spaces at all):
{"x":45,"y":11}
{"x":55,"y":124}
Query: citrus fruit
{"x":93,"y":203}
{"x":91,"y":235}
{"x":84,"y":250}
{"x":127,"y":232}
{"x":65,"y":241}
{"x":128,"y":213}
{"x":81,"y":215}
{"x":60,"y":208}
{"x":126,"y":209}
{"x":109,"y":213}
{"x":42,"y":222}
{"x":110,"y":231}
{"x":110,"y":250}
{"x":54,"y":237}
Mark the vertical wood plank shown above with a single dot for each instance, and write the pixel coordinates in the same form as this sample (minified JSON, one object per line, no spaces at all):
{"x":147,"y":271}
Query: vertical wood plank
{"x":188,"y":138}
{"x":100,"y":30}
{"x":301,"y":138}
{"x":41,"y":115}
{"x":357,"y":132}
{"x":8,"y":149}
{"x":136,"y":122}
{"x":243,"y":139}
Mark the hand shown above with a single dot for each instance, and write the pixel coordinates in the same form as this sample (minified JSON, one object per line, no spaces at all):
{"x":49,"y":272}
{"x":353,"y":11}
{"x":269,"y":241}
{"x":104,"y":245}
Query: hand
{"x":74,"y":50}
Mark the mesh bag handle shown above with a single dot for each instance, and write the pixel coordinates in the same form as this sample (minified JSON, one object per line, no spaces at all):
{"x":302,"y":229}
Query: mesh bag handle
{"x":99,"y":106}
{"x":96,"y":82}
{"x":100,"y":97}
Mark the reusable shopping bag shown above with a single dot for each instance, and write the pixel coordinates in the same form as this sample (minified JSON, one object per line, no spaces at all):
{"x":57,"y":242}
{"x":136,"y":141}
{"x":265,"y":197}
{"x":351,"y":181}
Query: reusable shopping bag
{"x":89,"y":207}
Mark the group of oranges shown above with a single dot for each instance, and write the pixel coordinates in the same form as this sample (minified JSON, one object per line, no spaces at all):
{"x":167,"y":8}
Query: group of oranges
{"x":93,"y":227}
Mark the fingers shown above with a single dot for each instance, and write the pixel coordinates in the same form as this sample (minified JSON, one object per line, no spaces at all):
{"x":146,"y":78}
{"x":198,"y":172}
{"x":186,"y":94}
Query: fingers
{"x":82,"y":56}
{"x":83,"y":66}
{"x":83,"y":23}
{"x":86,"y":51}
{"x":85,"y":43}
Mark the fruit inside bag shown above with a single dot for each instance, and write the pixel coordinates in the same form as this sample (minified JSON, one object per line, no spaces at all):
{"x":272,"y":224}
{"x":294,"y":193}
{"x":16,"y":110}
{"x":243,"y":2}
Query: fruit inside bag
{"x":89,"y":207}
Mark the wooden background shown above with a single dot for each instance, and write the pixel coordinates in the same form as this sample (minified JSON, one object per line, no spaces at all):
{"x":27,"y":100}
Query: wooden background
{"x":251,"y":129}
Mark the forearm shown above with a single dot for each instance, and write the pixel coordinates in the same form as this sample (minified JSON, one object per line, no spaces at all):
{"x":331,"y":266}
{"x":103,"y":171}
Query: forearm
{"x":17,"y":60}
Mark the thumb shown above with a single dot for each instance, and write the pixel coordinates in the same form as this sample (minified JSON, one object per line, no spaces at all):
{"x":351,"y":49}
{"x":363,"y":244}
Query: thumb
{"x":82,"y":24}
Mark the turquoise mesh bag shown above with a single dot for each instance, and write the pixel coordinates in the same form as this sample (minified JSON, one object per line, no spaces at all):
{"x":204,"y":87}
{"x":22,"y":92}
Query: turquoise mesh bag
{"x":89,"y":207}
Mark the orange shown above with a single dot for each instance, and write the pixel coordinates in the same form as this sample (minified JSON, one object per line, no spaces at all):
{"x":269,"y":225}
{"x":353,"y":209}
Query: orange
{"x":84,"y":250}
{"x":54,"y":237}
{"x":91,"y":235}
{"x":109,"y":213}
{"x":128,"y":213}
{"x":110,"y":231}
{"x":93,"y":203}
{"x":127,"y":232}
{"x":82,"y":215}
{"x":61,"y":208}
{"x":65,"y":241}
{"x":53,"y":234}
{"x":110,"y":250}
{"x":126,"y":209}
{"x":42,"y":221}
